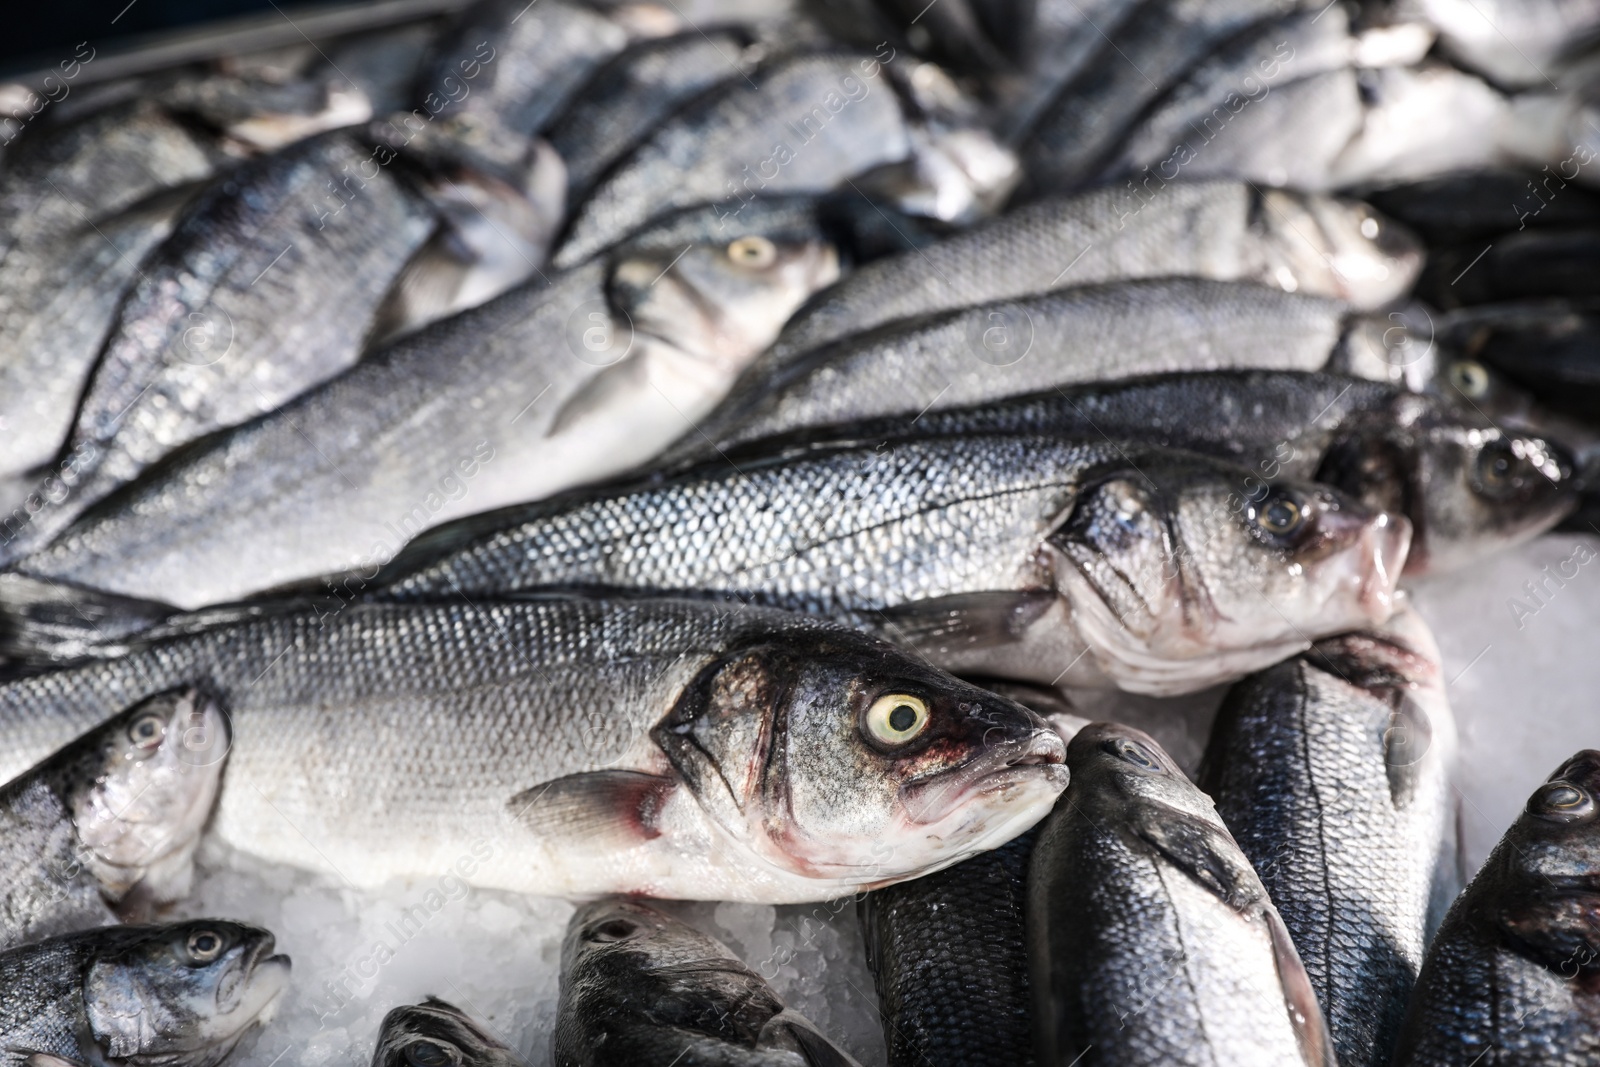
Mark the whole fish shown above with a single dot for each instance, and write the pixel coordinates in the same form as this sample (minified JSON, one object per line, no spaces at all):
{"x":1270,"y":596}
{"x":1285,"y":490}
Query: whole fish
{"x":436,"y":1034}
{"x":1087,"y":334}
{"x":1032,"y":558}
{"x":1330,"y":770}
{"x":1469,"y":487}
{"x":1510,"y":977}
{"x":949,"y":956}
{"x":267,"y":287}
{"x":641,"y":989}
{"x":802,"y":124}
{"x":1222,"y":230}
{"x":631,"y":95}
{"x":180,"y":995}
{"x":548,"y":386}
{"x":1068,"y":141}
{"x":673,"y":748}
{"x":1152,"y":939}
{"x":110,"y":820}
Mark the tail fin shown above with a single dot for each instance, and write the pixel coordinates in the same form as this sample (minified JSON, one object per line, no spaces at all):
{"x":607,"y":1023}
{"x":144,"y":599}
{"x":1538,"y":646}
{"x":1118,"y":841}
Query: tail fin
{"x":44,"y":622}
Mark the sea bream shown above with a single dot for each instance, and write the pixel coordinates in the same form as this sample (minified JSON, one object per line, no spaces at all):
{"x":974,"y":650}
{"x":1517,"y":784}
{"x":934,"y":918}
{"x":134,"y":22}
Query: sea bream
{"x":1041,"y":559}
{"x":642,"y":989}
{"x":112,"y":820}
{"x":1152,"y":940}
{"x":181,"y":995}
{"x":671,"y":748}
{"x":1331,"y":771}
{"x":548,"y":386}
{"x":437,"y":1034}
{"x":1512,"y":977}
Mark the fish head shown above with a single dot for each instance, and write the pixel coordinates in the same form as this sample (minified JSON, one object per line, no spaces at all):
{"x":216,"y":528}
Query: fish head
{"x":182,"y":995}
{"x":1111,"y":760}
{"x":722,"y":302}
{"x":143,"y":790}
{"x":437,"y":1034}
{"x":1344,"y":247}
{"x":1548,"y":867}
{"x":1181,"y":571}
{"x":835,"y":756}
{"x":1469,"y":487}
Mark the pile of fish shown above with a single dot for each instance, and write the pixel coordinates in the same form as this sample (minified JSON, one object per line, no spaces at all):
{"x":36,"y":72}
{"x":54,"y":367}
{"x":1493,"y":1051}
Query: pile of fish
{"x":605,"y":454}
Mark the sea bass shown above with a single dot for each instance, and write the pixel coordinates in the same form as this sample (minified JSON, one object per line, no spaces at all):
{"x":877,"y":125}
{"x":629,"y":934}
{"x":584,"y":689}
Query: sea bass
{"x":110,"y":820}
{"x":149,"y":996}
{"x":642,"y":989}
{"x":267,"y":287}
{"x":664,"y":747}
{"x":1152,"y":939}
{"x":436,"y":1034}
{"x":1330,"y":770}
{"x":1033,"y":558}
{"x":545,"y":387}
{"x":1510,"y":978}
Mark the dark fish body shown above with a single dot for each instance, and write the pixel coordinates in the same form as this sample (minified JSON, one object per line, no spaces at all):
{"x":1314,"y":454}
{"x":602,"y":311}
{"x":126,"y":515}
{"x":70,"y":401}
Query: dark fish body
{"x":182,"y":994}
{"x":1511,"y":976}
{"x":594,"y":731}
{"x":641,"y":989}
{"x":111,"y":819}
{"x":1458,"y":207}
{"x":550,"y":385}
{"x":1524,"y":265}
{"x":1330,"y":770}
{"x":1065,"y":337}
{"x":434,"y":1032}
{"x":266,"y":288}
{"x":1152,"y":939}
{"x":800,"y":125}
{"x":949,"y":956}
{"x":628,"y":97}
{"x":1549,"y":348}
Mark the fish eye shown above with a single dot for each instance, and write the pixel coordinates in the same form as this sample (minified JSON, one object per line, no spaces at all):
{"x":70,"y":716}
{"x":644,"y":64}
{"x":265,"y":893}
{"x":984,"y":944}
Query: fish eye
{"x":1133,"y":752}
{"x":756,"y":253}
{"x":427,"y":1053}
{"x":1498,"y":468}
{"x":615,"y":930}
{"x":1369,"y":228}
{"x":1279,"y":516}
{"x":1469,"y":378}
{"x":204,"y":946}
{"x":896,"y":718}
{"x":1560,"y":802}
{"x":147,"y":730}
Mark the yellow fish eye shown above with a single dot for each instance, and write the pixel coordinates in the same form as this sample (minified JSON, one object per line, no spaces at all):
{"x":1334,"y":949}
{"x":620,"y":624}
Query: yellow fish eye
{"x":756,"y":253}
{"x":896,"y":718}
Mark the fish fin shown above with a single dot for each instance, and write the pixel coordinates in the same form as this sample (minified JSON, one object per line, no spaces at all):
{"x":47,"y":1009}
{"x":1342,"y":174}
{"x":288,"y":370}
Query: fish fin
{"x":599,"y":808}
{"x":788,"y":1027}
{"x":46,"y":1059}
{"x":1305,"y":1015}
{"x":1205,"y":853}
{"x":44,"y":621}
{"x":1406,"y":742}
{"x":965,"y":620}
{"x":603,"y":391}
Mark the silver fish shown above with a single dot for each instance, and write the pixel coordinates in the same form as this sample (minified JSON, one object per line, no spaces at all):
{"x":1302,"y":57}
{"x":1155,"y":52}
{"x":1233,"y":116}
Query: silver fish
{"x":1092,"y":333}
{"x":180,"y":995}
{"x":1510,"y":977}
{"x":110,"y":820}
{"x":1152,"y":939}
{"x":803,"y":124}
{"x":672,"y":748}
{"x":1331,"y":771}
{"x":642,"y":989}
{"x":1028,"y":557}
{"x":436,"y":1034}
{"x":543,"y":388}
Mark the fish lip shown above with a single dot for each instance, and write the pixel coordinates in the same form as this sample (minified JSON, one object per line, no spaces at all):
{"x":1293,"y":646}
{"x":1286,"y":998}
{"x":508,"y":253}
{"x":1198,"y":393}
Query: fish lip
{"x":1387,"y":540}
{"x":1042,"y":755}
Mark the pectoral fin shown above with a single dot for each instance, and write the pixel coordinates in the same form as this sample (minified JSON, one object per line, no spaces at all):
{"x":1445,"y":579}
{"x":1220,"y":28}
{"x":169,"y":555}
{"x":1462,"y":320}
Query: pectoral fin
{"x":45,"y":1059}
{"x":967,"y":620}
{"x":599,"y":809}
{"x":790,"y":1030}
{"x":1305,"y":1015}
{"x":1203,"y":852}
{"x":602,"y":396}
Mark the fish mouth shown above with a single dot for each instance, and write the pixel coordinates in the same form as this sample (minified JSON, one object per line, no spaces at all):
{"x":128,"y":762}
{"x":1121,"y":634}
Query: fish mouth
{"x":1386,"y":541}
{"x":1042,"y":756}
